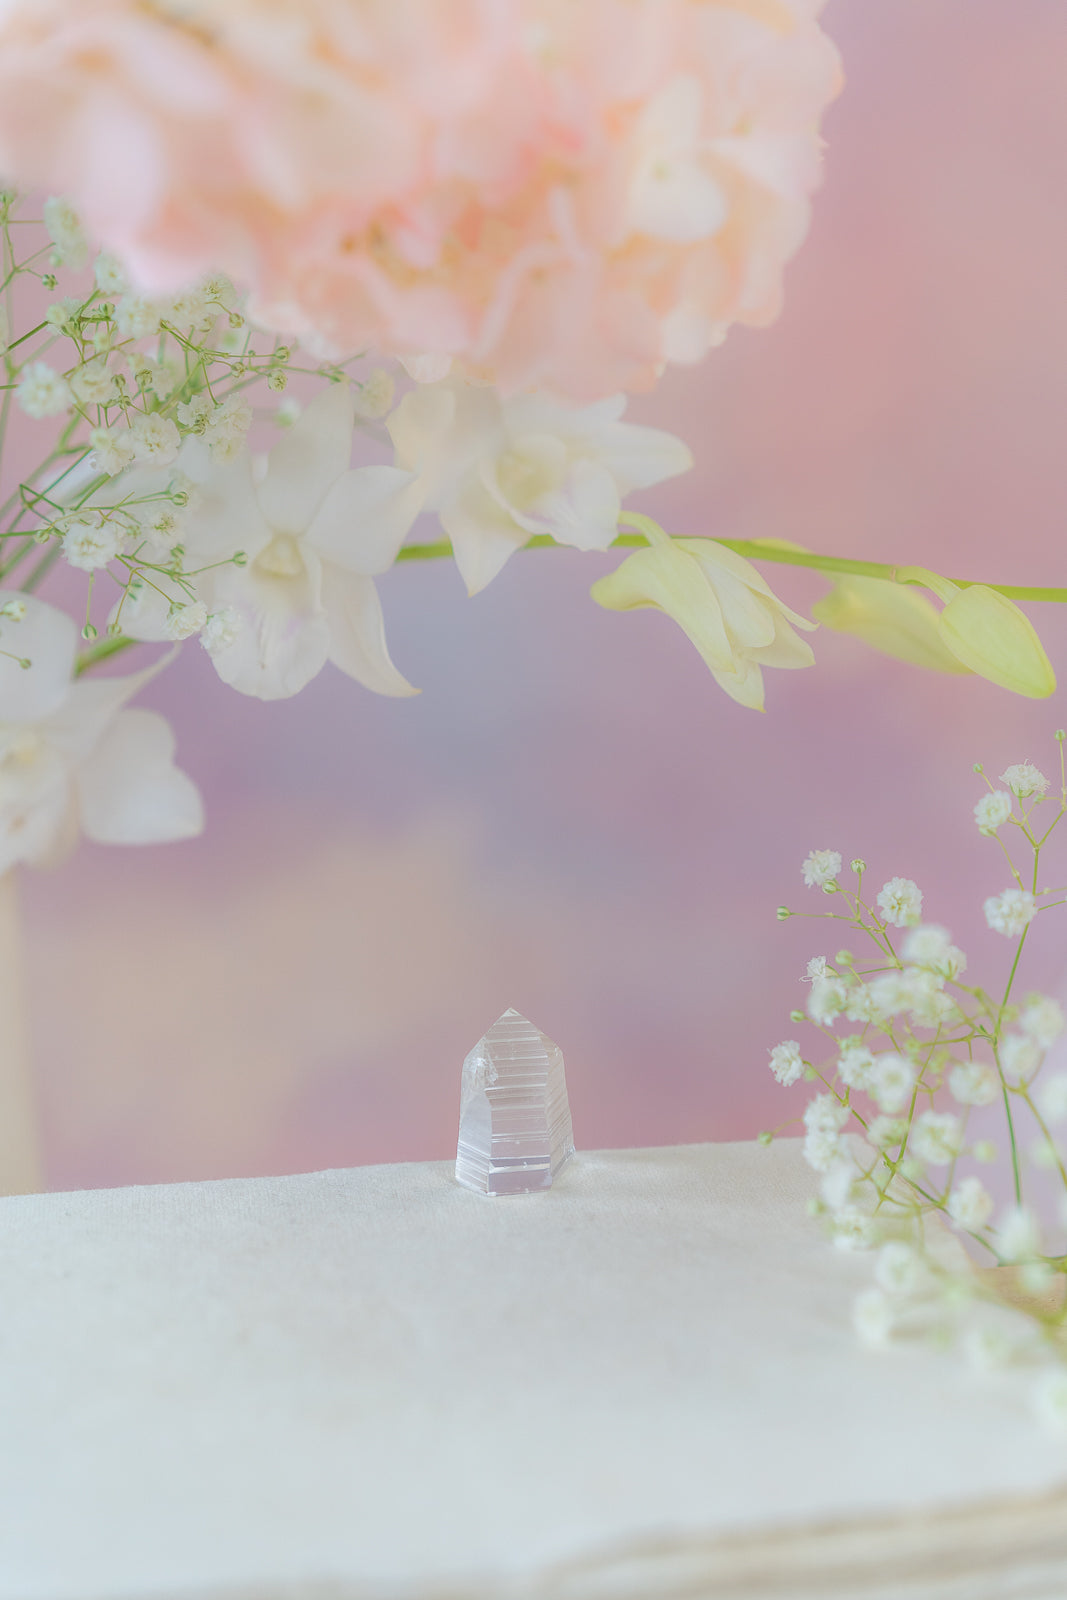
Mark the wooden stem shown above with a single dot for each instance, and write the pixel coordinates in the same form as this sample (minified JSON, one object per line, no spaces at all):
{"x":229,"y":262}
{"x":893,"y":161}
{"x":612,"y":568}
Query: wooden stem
{"x":20,"y":1161}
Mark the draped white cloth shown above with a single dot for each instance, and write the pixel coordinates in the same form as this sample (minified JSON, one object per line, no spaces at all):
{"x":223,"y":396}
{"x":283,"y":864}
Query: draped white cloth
{"x":371,"y":1384}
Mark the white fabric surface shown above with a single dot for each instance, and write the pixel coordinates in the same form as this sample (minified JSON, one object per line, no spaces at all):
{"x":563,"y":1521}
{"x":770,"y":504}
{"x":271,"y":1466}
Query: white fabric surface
{"x":373,"y":1383}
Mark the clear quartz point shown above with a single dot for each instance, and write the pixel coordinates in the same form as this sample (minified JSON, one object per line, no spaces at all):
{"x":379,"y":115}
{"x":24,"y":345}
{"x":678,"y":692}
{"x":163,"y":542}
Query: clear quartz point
{"x":514,"y":1119}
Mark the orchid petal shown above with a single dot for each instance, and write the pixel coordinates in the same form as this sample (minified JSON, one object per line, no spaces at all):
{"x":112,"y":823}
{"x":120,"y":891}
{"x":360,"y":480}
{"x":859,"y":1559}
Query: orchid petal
{"x":225,"y":514}
{"x":483,"y":536}
{"x":426,"y":368}
{"x":786,"y":649}
{"x":48,"y":639}
{"x":639,"y":457}
{"x":283,"y":639}
{"x":750,"y":617}
{"x":366,"y":517}
{"x":534,"y":465}
{"x":419,"y":424}
{"x":584,"y":511}
{"x":306,"y":461}
{"x":442,"y":432}
{"x":894,"y":618}
{"x":38,"y":818}
{"x":92,"y":704}
{"x":357,"y":632}
{"x":672,"y":581}
{"x":716,"y":558}
{"x":636,"y":456}
{"x":988,"y":633}
{"x":537,"y":413}
{"x":131,"y":792}
{"x":745,"y":685}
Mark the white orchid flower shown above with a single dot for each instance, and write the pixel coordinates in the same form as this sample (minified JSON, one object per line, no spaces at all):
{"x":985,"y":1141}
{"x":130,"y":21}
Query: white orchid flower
{"x":314,"y":532}
{"x":72,"y":758}
{"x":720,"y":602}
{"x":498,"y":471}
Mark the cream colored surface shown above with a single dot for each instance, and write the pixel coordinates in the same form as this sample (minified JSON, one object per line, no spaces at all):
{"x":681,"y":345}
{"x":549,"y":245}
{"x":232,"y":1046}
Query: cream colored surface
{"x":372,"y":1383}
{"x":20,"y":1162}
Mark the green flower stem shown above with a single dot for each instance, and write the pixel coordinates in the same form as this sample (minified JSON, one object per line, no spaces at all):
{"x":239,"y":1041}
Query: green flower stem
{"x":757,"y":550}
{"x":103,"y":650}
{"x":23,"y":548}
{"x":1027,"y":1098}
{"x":1016,"y":1177}
{"x":1017,"y":1182}
{"x":441,"y":549}
{"x":760,"y":550}
{"x":16,"y":500}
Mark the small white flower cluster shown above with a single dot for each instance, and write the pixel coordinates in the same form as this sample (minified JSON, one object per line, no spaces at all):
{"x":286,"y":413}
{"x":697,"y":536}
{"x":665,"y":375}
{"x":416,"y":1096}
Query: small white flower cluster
{"x":41,"y":391}
{"x":876,"y":997}
{"x":70,"y":247}
{"x":994,"y":809}
{"x":910,"y":1051}
{"x":1024,"y":780}
{"x":1010,"y":913}
{"x":824,"y":1119}
{"x":821,"y":868}
{"x":786,"y":1062}
{"x":931,"y":946}
{"x":223,"y":425}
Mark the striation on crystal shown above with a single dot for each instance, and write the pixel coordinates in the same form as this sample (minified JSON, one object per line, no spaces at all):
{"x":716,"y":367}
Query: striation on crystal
{"x":514,"y":1119}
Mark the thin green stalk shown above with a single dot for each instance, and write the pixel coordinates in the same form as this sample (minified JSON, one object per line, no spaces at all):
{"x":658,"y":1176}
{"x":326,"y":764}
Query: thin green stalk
{"x":23,"y":549}
{"x":103,"y":650}
{"x":1016,"y":1176}
{"x":759,"y":550}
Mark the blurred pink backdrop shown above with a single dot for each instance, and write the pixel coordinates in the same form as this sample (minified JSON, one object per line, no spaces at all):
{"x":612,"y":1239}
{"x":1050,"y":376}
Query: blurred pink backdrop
{"x":571,"y":818}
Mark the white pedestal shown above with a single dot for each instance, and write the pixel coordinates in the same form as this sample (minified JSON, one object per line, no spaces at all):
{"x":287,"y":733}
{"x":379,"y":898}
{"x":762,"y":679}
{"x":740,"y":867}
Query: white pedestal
{"x":371,"y":1384}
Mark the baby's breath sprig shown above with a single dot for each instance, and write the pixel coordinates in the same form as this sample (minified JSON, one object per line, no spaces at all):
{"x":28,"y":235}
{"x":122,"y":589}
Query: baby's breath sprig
{"x":125,"y":382}
{"x":910,"y":1053}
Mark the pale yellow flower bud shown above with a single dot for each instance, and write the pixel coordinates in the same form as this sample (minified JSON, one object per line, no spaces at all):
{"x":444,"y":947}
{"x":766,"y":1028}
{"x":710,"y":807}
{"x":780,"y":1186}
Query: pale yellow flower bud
{"x":990,"y":635}
{"x":721,"y":603}
{"x":891,"y":617}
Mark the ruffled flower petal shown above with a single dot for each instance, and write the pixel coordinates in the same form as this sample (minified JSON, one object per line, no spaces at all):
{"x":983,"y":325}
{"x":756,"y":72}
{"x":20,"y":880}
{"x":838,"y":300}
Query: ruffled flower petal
{"x":537,"y":190}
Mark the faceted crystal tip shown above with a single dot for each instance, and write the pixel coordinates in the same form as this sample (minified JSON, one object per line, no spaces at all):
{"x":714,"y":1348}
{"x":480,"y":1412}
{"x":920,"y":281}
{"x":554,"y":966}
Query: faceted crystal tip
{"x":514,"y":1119}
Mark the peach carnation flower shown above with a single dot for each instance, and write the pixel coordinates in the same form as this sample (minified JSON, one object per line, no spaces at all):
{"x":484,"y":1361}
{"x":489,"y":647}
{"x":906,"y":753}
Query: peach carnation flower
{"x":546,"y":193}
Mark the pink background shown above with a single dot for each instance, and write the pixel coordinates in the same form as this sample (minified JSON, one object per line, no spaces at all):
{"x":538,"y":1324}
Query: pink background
{"x":571,"y":818}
